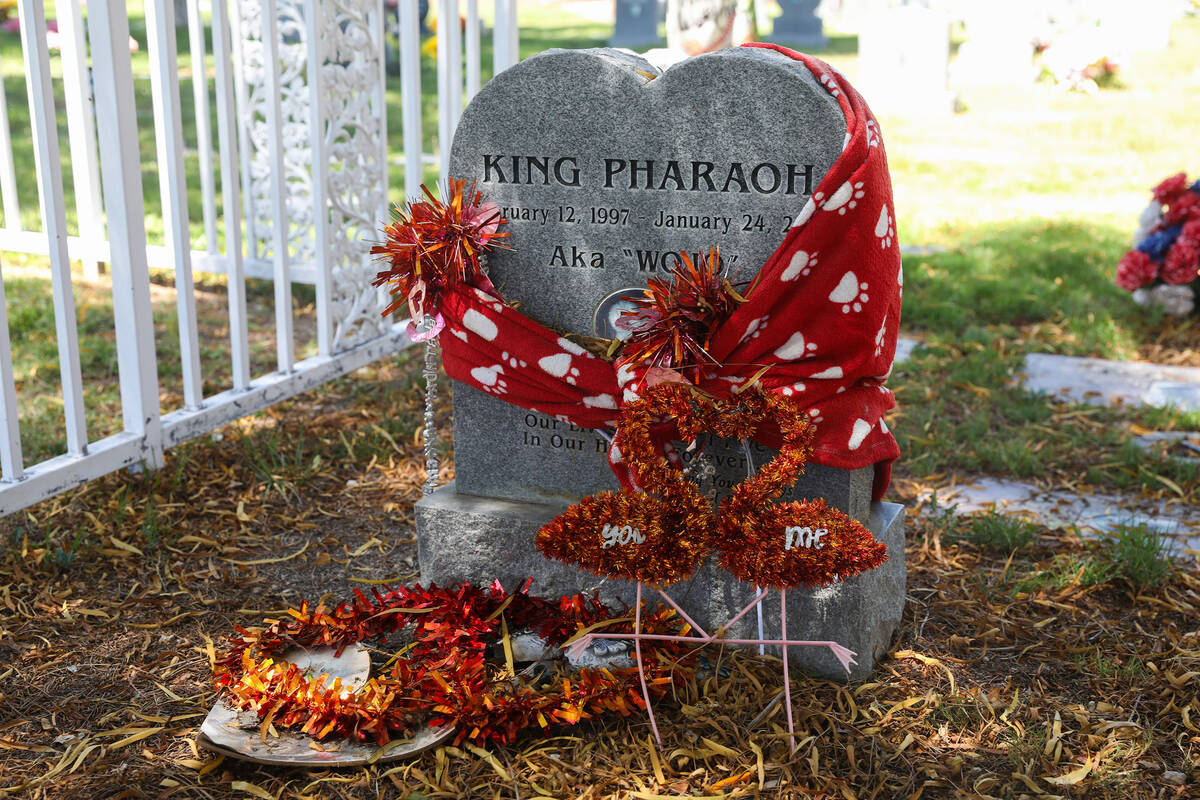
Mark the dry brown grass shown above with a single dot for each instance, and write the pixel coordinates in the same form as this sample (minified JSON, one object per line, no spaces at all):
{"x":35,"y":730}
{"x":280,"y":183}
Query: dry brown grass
{"x":112,"y":598}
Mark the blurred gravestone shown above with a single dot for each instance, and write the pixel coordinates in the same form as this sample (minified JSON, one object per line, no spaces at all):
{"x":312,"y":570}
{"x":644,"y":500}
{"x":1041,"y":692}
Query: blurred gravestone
{"x":999,"y":46}
{"x":799,"y":25}
{"x":903,"y":60}
{"x":589,"y":176}
{"x":636,"y":24}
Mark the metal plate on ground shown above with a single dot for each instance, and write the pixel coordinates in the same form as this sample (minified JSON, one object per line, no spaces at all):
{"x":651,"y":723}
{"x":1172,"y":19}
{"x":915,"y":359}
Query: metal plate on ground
{"x":238,"y":733}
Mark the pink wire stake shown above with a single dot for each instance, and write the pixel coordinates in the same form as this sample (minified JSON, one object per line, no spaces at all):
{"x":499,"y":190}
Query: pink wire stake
{"x":787,"y":683}
{"x":637,"y":649}
{"x":844,"y":655}
{"x":742,"y":613}
{"x":684,"y":614}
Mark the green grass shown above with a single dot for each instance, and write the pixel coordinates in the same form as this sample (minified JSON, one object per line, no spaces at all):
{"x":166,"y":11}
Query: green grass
{"x":282,"y":463}
{"x":1066,"y":570}
{"x":1033,"y":193}
{"x":961,"y":410}
{"x":1132,"y":554}
{"x":1001,"y":532}
{"x":1137,"y":554}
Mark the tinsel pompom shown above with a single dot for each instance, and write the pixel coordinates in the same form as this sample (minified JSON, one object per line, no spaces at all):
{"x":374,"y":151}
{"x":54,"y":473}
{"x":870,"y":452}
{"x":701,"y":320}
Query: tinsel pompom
{"x":633,"y":535}
{"x":673,"y":324}
{"x":1135,"y":270}
{"x":432,"y":245}
{"x":796,"y":545}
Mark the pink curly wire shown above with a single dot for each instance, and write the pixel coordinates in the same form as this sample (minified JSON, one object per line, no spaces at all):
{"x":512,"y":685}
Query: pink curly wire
{"x":844,"y":655}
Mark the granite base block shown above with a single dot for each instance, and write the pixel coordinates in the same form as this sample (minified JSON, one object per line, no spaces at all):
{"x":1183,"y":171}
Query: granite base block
{"x":479,"y":539}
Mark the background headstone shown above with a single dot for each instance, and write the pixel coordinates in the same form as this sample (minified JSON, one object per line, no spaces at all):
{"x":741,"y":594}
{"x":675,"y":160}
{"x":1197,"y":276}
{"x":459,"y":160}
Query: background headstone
{"x":799,"y":25}
{"x":605,"y":174}
{"x":999,"y":46}
{"x":636,"y":23}
{"x":903,"y":61}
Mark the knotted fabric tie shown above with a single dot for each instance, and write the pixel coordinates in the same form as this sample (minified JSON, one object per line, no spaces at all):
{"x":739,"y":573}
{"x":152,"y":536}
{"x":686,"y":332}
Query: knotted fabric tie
{"x":823,"y":318}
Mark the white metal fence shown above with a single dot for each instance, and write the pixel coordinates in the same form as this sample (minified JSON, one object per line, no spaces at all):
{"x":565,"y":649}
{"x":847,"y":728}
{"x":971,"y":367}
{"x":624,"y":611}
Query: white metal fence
{"x":301,"y":155}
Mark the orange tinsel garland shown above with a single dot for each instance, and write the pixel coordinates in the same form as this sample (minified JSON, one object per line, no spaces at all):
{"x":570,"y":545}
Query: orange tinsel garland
{"x":445,"y":677}
{"x":672,"y":524}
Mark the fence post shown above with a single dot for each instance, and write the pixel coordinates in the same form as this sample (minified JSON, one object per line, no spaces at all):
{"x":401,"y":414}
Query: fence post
{"x":81,"y":129}
{"x":172,"y":182}
{"x":410,"y":78}
{"x":12,"y":465}
{"x":121,"y":177}
{"x":231,"y":209}
{"x":320,"y":178}
{"x":50,"y":191}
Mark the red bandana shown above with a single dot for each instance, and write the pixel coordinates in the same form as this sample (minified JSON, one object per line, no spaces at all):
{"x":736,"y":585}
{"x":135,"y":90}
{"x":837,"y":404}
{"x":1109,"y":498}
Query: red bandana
{"x":823,"y":316}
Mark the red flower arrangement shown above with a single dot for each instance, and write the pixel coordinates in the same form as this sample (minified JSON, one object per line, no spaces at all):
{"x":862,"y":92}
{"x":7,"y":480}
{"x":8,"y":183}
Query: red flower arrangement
{"x":1164,"y":265}
{"x":432,"y":245}
{"x":444,"y":678}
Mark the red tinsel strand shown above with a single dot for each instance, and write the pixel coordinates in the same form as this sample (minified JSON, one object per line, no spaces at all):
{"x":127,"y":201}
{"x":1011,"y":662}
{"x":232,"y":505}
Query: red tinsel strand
{"x":443,"y":678}
{"x":432,"y":245}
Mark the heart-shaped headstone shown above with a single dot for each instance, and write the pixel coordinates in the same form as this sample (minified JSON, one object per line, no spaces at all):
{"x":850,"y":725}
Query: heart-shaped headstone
{"x":605,"y":169}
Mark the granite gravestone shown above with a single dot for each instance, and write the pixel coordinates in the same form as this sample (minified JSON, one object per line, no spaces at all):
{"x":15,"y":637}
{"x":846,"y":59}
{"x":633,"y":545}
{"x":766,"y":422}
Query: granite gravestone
{"x":798,"y":25}
{"x":999,"y":46}
{"x":607,"y":172}
{"x":636,"y":24}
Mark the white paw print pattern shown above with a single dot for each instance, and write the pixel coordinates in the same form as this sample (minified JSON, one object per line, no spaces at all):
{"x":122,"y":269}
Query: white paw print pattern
{"x":859,"y":433}
{"x":489,"y":301}
{"x":559,"y":365}
{"x":600,"y":401}
{"x":489,"y":379}
{"x":795,"y":348}
{"x":571,"y":347}
{"x":513,"y":361}
{"x":755,"y":328}
{"x":788,"y":391}
{"x":885,"y":228}
{"x":809,"y":209}
{"x":802,"y":264}
{"x":830,"y":84}
{"x":814,"y":416}
{"x":625,"y":375}
{"x":879,"y":337}
{"x":850,"y":293}
{"x":872,"y":133}
{"x":845,"y":198}
{"x":480,"y":325}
